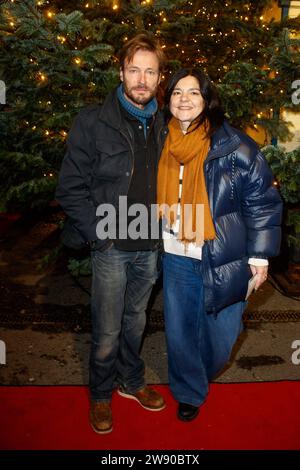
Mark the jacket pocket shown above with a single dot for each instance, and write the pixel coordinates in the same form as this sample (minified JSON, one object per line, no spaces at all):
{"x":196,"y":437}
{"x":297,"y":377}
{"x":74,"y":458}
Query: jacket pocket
{"x":71,"y":237}
{"x":111,"y":161}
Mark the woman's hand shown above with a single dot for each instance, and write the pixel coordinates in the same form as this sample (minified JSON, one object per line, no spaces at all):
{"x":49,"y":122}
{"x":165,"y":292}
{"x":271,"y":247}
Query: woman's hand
{"x":262,"y":274}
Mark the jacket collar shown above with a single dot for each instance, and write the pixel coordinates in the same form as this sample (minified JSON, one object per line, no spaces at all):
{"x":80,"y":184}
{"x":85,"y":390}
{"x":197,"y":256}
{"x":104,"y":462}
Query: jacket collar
{"x":224,"y":141}
{"x":111,"y":114}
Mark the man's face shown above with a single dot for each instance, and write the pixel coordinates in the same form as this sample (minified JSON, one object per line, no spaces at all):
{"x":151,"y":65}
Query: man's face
{"x":141,"y":77}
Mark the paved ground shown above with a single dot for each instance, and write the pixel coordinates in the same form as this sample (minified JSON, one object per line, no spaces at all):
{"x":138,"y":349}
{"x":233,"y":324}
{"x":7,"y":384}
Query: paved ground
{"x":44,"y":323}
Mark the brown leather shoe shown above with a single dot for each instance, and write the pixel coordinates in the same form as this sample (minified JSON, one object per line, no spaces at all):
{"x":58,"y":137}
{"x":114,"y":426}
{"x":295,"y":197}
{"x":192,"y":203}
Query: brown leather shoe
{"x":101,"y":417}
{"x":147,"y":397}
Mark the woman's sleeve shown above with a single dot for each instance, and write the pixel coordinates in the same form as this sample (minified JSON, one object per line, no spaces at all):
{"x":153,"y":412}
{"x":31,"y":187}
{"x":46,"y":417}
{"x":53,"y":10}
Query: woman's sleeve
{"x":262,"y":210}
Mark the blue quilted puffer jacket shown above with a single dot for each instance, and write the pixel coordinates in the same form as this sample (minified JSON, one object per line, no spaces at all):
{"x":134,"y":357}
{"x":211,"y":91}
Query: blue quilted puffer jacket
{"x":246,"y":210}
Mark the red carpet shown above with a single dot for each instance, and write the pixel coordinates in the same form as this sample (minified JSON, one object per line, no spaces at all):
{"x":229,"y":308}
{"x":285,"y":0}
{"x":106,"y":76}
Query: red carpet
{"x":235,"y":416}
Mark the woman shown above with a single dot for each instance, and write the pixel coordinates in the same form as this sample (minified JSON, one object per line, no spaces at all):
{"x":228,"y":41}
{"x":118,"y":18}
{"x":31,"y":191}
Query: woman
{"x":221,"y":216}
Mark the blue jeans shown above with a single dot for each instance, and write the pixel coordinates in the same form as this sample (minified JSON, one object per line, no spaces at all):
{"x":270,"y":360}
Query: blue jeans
{"x":199,"y":345}
{"x":121,"y":287}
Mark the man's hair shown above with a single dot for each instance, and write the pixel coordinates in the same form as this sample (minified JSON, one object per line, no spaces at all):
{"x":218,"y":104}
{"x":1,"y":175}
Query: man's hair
{"x":142,"y":41}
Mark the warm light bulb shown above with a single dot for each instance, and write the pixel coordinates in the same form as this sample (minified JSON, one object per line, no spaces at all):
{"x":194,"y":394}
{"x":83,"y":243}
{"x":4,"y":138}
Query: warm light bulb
{"x":62,"y":39}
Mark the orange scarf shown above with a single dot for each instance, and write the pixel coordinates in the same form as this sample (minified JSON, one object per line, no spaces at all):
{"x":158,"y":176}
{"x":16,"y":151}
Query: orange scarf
{"x":191,"y":149}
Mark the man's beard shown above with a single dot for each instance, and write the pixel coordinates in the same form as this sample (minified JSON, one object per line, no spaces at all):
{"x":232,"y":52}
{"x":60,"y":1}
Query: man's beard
{"x":142,"y":99}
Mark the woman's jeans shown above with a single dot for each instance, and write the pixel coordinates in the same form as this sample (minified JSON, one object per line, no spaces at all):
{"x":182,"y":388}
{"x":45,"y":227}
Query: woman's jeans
{"x":121,"y":287}
{"x":199,"y":344}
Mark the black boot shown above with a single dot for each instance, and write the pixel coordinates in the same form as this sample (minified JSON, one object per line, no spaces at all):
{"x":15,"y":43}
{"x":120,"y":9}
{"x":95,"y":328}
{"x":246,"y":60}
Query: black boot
{"x":187,"y":412}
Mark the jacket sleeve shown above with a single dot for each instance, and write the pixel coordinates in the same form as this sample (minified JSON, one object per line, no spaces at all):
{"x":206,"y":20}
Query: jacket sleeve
{"x":262,"y":210}
{"x":73,"y":190}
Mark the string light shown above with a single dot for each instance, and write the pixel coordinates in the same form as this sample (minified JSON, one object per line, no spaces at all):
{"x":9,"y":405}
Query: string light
{"x":62,"y":39}
{"x":42,"y":77}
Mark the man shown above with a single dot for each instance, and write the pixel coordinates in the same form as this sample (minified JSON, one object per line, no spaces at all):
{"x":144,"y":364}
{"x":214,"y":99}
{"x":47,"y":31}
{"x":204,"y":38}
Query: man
{"x":113,"y":153}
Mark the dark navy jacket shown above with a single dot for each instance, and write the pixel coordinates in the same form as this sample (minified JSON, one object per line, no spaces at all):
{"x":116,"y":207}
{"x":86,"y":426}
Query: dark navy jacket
{"x":246,"y":210}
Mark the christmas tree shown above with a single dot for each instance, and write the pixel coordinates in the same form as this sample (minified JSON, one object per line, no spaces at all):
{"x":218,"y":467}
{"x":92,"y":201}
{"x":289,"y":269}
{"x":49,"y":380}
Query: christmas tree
{"x":60,"y":56}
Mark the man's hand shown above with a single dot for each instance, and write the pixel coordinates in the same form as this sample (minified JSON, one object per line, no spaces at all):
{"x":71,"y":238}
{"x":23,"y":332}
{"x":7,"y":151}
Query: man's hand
{"x":262,"y":274}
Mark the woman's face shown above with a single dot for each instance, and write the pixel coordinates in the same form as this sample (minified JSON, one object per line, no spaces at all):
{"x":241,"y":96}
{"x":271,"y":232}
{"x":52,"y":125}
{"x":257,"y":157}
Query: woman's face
{"x":186,"y":101}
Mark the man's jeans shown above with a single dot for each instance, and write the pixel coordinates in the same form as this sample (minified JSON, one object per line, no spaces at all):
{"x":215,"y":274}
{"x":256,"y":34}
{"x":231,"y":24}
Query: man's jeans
{"x":199,"y":345}
{"x":121,"y":287}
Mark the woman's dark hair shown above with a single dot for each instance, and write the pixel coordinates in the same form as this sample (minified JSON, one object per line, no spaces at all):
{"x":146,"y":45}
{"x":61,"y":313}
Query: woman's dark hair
{"x":213,"y":110}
